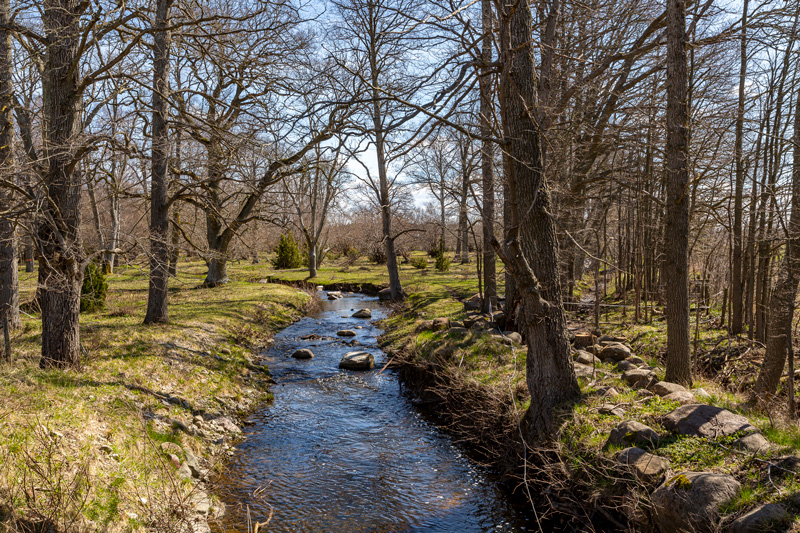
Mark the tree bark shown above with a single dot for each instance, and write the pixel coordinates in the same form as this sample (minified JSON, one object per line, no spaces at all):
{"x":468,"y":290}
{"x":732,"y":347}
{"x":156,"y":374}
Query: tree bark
{"x":532,"y":253}
{"x":782,"y":300}
{"x":9,"y":283}
{"x":736,"y":267}
{"x":159,"y":183}
{"x":62,"y":257}
{"x":487,"y":161}
{"x":676,"y":227}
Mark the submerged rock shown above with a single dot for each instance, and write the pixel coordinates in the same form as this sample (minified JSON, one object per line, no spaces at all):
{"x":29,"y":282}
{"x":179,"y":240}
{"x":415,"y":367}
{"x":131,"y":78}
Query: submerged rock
{"x":346,"y":333}
{"x":385,"y":294}
{"x":334,"y":295}
{"x":357,"y":361}
{"x":362,"y":313}
{"x":690,"y":501}
{"x":303,"y":353}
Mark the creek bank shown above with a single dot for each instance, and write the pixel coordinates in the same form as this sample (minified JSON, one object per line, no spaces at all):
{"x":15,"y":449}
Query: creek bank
{"x":690,"y":459}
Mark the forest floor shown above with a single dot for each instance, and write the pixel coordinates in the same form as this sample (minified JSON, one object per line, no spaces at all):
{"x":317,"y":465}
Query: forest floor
{"x":477,"y":380}
{"x":107,"y":447}
{"x":130,"y":440}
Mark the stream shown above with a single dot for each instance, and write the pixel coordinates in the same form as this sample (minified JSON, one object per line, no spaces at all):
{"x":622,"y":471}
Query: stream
{"x":347,"y":451}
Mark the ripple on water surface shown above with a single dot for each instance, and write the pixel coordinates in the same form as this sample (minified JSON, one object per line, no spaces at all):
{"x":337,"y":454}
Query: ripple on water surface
{"x":345,"y":451}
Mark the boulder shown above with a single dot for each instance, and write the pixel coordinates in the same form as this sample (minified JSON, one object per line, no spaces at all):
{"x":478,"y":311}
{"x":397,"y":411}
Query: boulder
{"x":385,"y":294}
{"x":615,"y":352}
{"x":585,"y":358}
{"x":357,"y":361}
{"x":458,"y":331}
{"x":701,"y":420}
{"x":303,"y":353}
{"x":594,"y":349}
{"x":363,"y":313}
{"x":639,"y":377}
{"x":583,"y":339}
{"x":346,"y":333}
{"x":611,"y":409}
{"x":632,"y":432}
{"x":473,"y":303}
{"x":762,"y":518}
{"x":607,"y":392}
{"x":636,"y":360}
{"x":611,"y":339}
{"x":585,"y":371}
{"x":334,"y":295}
{"x":646,"y":466}
{"x":662,"y":388}
{"x":690,"y":501}
{"x":440,"y":324}
{"x":514,"y":336}
{"x":456,"y":324}
{"x":683,"y":397}
{"x":625,"y":365}
{"x":644,"y":393}
{"x":753,"y":443}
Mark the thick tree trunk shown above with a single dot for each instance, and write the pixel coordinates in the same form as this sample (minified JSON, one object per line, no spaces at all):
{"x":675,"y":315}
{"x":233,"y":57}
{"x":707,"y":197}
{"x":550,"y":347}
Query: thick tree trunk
{"x":159,"y":184}
{"x":487,"y":162}
{"x":676,"y":227}
{"x":61,"y":246}
{"x":533,"y":257}
{"x":782,"y":301}
{"x":9,"y":284}
{"x":217,"y":270}
{"x":736,"y":266}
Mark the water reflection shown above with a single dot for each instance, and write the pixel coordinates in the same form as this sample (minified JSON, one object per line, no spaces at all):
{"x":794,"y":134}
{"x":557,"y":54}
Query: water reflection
{"x":346,"y":451}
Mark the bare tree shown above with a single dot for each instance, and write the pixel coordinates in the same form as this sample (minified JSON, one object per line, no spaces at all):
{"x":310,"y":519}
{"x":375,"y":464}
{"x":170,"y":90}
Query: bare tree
{"x":530,"y":252}
{"x":676,"y":227}
{"x":159,"y":182}
{"x":9,"y":284}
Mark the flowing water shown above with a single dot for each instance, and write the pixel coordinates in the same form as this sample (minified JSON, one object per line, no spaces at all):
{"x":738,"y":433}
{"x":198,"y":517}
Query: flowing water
{"x":346,"y":451}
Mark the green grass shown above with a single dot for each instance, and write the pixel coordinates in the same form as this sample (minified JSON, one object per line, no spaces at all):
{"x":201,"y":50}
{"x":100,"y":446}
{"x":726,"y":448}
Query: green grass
{"x":53,"y":423}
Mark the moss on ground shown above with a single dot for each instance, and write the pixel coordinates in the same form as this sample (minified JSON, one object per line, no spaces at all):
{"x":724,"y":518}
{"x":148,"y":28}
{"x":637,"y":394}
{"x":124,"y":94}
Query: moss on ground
{"x":80,"y":448}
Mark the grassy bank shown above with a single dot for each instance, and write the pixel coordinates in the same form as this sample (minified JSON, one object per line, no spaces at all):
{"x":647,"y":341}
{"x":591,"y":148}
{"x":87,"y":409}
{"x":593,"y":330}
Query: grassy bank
{"x":476,"y":382}
{"x":84,"y":450}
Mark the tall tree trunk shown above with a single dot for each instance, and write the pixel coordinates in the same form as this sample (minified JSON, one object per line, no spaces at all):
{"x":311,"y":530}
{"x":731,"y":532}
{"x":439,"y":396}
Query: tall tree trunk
{"x":532,"y":252}
{"x":159,"y":183}
{"x":62,"y":257}
{"x":9,"y":284}
{"x":487,"y":161}
{"x":384,"y":197}
{"x":676,"y":226}
{"x":736,"y":266}
{"x":782,"y":301}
